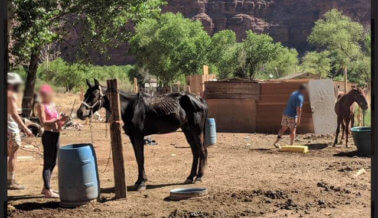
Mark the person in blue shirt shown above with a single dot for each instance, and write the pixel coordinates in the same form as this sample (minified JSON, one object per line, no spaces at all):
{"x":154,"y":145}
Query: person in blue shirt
{"x":291,"y":117}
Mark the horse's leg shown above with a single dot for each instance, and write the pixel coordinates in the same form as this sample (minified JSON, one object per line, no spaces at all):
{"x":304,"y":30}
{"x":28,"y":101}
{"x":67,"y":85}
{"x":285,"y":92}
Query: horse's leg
{"x":203,"y":157}
{"x":194,"y":148}
{"x":138,"y":146}
{"x":342,"y":130}
{"x":337,"y":130}
{"x":347,"y":121}
{"x":351,"y":121}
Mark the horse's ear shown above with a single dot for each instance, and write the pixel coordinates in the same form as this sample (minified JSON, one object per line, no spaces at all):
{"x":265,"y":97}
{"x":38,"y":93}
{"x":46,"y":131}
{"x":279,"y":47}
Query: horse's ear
{"x":88,"y":83}
{"x":97,"y":83}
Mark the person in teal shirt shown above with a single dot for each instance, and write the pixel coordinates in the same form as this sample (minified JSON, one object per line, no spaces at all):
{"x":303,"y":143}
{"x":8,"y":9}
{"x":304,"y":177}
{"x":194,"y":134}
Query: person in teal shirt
{"x":291,"y":117}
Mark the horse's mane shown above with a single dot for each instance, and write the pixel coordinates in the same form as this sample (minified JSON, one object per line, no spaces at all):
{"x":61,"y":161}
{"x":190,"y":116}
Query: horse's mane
{"x":340,"y":95}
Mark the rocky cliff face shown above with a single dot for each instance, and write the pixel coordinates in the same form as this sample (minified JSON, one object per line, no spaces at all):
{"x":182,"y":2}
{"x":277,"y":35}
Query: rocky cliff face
{"x":287,"y":21}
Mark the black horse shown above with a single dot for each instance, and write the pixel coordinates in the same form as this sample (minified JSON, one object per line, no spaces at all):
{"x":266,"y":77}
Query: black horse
{"x":144,"y":115}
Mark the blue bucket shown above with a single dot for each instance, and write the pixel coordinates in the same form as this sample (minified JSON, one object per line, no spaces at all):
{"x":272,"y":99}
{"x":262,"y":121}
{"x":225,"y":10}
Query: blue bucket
{"x":362,"y":139}
{"x":78,"y":175}
{"x":210,"y":132}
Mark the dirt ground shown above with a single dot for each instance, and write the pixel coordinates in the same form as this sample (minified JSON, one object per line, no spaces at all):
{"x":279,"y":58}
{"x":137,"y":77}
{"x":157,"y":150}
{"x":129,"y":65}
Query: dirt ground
{"x":245,"y":176}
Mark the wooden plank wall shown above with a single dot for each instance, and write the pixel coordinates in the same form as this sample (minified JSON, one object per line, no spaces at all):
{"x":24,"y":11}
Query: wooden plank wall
{"x":232,"y":104}
{"x":272,"y":102}
{"x":339,"y":86}
{"x":232,"y":90}
{"x":233,"y":115}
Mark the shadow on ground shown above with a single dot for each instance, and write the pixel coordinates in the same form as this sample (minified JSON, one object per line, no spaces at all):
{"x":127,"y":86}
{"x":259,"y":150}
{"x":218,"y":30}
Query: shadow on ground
{"x":28,"y":206}
{"x":109,"y":190}
{"x":23,"y":197}
{"x":317,"y":146}
{"x":350,"y":154}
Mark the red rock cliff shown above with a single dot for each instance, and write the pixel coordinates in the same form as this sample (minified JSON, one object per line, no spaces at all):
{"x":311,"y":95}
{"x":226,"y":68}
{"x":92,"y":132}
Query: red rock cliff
{"x":287,"y":21}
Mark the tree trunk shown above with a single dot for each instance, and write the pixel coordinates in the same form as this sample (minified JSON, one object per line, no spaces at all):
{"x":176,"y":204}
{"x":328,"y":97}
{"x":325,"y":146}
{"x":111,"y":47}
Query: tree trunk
{"x":345,"y":80}
{"x":27,"y":100}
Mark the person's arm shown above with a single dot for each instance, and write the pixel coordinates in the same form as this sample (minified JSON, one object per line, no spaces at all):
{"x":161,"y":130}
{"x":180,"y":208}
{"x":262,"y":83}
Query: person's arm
{"x":299,"y":115}
{"x":299,"y":109}
{"x":13,"y":113}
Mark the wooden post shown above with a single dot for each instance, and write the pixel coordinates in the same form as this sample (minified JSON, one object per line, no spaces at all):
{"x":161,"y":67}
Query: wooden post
{"x":4,"y":64}
{"x":205,"y":70}
{"x":345,"y":80}
{"x":116,"y":140}
{"x":135,"y":85}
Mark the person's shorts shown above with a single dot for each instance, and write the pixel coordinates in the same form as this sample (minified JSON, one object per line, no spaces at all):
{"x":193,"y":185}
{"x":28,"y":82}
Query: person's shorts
{"x":288,"y":122}
{"x":14,"y":142}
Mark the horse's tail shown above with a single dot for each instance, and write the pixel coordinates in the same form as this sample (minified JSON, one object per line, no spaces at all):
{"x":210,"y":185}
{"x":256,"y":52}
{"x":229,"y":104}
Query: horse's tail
{"x":204,"y":125}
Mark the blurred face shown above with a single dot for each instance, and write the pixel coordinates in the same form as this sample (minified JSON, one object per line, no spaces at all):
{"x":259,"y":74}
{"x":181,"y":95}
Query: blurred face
{"x":14,"y":88}
{"x":46,"y":97}
{"x":304,"y":91}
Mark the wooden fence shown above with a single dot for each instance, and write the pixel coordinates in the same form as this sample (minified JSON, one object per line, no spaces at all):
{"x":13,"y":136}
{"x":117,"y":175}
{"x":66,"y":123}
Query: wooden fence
{"x":253,"y":106}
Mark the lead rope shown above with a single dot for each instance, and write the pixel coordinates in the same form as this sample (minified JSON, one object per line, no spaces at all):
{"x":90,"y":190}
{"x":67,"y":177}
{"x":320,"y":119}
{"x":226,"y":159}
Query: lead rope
{"x":90,"y":126}
{"x":110,"y":150}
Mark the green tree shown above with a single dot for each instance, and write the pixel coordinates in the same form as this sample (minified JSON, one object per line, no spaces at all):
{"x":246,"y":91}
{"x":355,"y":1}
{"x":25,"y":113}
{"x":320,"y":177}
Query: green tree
{"x":360,"y":70}
{"x":256,"y":50}
{"x":341,"y":36}
{"x":42,"y":22}
{"x":71,"y":76}
{"x":284,"y":63}
{"x":222,"y":53}
{"x":170,"y":46}
{"x":317,"y":63}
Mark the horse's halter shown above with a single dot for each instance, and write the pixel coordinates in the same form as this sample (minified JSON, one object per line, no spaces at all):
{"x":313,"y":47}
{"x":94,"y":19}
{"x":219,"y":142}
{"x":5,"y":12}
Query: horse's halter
{"x":98,"y":102}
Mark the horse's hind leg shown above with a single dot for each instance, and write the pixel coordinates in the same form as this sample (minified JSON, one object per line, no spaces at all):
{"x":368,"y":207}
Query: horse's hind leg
{"x":337,"y":130}
{"x":346,"y":132}
{"x":194,"y":148}
{"x":203,"y":158}
{"x":202,"y":154}
{"x":342,"y":130}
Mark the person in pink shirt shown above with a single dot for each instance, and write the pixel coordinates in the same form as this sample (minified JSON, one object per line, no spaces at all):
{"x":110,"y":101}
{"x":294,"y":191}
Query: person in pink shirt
{"x":52,"y":123}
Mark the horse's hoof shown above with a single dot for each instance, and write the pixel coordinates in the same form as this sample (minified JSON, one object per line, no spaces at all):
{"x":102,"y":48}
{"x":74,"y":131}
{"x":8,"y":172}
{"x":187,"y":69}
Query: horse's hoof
{"x":199,"y":179}
{"x":140,"y":187}
{"x":188,"y":181}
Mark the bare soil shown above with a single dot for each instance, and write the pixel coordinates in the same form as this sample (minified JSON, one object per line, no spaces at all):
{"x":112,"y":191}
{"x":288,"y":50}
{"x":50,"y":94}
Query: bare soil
{"x":246,"y":176}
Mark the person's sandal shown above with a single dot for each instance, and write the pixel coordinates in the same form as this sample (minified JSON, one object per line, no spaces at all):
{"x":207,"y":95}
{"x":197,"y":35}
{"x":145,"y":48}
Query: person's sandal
{"x":49,"y":194}
{"x":277,"y":145}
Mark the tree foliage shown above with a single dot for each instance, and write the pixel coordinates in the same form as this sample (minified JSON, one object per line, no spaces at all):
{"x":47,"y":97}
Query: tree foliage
{"x":255,"y":51}
{"x":39,"y":23}
{"x":72,"y":76}
{"x":345,"y":41}
{"x":170,"y":46}
{"x":317,"y":63}
{"x":284,"y":63}
{"x":222,"y":53}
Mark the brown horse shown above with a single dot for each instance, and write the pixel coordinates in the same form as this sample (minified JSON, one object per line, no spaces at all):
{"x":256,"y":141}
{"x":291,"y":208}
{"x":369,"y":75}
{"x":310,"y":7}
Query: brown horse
{"x":345,"y":111}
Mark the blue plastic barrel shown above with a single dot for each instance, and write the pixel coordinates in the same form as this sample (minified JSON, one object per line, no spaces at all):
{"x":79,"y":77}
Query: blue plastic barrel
{"x":362,"y":139}
{"x":210,"y":132}
{"x":78,"y":175}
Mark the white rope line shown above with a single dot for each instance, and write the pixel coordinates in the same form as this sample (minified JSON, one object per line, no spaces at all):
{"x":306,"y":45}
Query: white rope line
{"x":91,"y":107}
